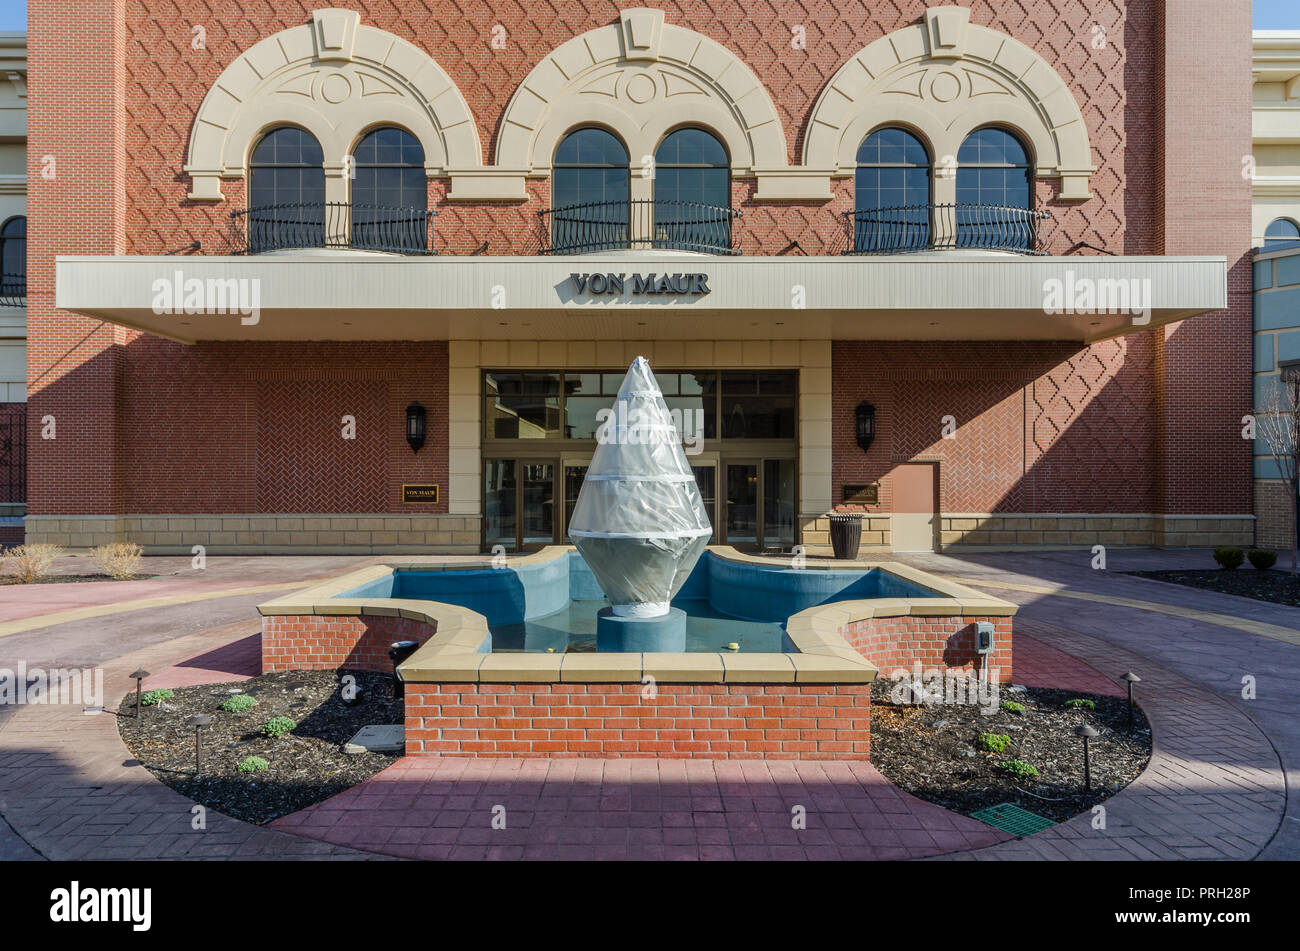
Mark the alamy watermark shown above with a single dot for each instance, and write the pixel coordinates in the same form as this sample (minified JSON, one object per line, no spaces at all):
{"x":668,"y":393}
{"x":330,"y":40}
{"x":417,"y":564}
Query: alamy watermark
{"x":214,"y":295}
{"x":84,"y":687}
{"x":622,"y":425}
{"x":936,"y":686}
{"x":1106,"y":295}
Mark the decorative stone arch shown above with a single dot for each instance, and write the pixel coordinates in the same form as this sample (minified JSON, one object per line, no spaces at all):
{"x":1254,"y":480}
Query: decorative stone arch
{"x":336,"y":79}
{"x":947,"y":77}
{"x":641,"y":78}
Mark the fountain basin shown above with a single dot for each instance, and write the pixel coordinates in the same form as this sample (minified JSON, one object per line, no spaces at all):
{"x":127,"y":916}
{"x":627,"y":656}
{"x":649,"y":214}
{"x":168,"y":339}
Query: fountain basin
{"x":466,"y":694}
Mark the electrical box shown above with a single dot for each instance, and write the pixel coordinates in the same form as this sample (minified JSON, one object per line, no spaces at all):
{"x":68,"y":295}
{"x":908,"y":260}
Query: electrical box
{"x":983,"y":637}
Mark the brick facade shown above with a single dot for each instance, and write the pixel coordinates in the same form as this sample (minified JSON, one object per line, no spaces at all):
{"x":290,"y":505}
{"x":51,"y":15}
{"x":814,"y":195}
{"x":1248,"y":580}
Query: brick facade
{"x":1144,"y":425}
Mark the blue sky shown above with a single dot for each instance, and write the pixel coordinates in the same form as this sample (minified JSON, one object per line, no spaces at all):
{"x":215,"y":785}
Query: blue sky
{"x":13,"y":14}
{"x":1269,"y":15}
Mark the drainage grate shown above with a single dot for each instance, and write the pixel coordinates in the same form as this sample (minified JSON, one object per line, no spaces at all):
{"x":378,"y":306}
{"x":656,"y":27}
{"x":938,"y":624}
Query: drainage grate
{"x":1011,"y":818}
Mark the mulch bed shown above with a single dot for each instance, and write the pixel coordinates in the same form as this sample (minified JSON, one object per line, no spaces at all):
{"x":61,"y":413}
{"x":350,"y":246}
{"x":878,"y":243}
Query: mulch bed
{"x":307,"y":765}
{"x":1278,"y":587}
{"x":929,"y":750}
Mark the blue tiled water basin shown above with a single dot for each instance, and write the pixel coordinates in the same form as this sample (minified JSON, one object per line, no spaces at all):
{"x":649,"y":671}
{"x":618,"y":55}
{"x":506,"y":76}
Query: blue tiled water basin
{"x":552,"y":603}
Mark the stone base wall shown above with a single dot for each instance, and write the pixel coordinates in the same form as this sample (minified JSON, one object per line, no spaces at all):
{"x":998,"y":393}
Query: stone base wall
{"x":711,"y":721}
{"x":265,"y":534}
{"x":1079,"y":531}
{"x":327,"y":642}
{"x":816,"y":534}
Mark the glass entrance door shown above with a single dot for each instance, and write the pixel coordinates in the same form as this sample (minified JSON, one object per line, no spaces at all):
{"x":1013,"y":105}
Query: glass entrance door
{"x":760,"y":503}
{"x":518,"y":503}
{"x":706,"y":477}
{"x":742,"y":504}
{"x":573,"y":476}
{"x":500,"y":503}
{"x":537,"y":490}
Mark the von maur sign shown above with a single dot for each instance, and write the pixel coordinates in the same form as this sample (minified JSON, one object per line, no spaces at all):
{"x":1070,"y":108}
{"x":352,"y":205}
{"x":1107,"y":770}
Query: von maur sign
{"x":694,"y":285}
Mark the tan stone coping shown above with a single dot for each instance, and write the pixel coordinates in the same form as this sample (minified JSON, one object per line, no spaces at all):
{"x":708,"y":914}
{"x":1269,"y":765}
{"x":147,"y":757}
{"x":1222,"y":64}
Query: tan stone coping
{"x":459,"y":650}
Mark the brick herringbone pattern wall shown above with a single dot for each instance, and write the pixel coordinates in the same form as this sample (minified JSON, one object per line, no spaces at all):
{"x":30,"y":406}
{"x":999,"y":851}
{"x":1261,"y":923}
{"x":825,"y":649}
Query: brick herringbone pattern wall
{"x":1041,"y":427}
{"x":244,"y":428}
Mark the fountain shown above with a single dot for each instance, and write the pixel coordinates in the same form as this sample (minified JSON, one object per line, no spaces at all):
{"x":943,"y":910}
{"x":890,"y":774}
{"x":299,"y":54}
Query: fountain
{"x":640,"y":523}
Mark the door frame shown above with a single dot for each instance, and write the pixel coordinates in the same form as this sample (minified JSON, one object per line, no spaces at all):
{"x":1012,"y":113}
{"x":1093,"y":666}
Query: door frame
{"x":520,"y":460}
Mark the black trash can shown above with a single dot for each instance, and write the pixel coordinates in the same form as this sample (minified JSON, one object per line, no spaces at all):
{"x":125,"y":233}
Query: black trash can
{"x":846,"y":534}
{"x":398,"y":651}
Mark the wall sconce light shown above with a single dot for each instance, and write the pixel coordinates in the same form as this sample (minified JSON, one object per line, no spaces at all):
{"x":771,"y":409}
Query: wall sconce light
{"x":866,"y":425}
{"x":415,"y":419}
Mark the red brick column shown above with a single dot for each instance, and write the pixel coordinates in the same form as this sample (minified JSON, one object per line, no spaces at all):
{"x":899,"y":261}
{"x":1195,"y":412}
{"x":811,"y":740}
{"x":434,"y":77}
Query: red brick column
{"x":76,"y":195}
{"x":1205,"y":363}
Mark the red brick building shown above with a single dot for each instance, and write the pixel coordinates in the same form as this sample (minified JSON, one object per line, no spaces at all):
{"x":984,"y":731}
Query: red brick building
{"x":981,"y":271}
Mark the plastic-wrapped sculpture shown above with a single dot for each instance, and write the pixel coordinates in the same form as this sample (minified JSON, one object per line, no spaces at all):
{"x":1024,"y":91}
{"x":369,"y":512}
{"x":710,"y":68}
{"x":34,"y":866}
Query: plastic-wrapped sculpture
{"x":640,"y":523}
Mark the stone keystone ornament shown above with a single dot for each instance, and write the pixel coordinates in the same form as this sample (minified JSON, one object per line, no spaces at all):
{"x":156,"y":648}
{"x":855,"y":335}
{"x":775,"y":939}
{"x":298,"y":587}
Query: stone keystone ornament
{"x":640,"y":523}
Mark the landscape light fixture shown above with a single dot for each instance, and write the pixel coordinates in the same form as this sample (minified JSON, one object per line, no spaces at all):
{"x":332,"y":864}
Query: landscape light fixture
{"x":139,"y":676}
{"x":1130,"y":678}
{"x":398,"y":651}
{"x":415,"y":420}
{"x":1088,"y":733}
{"x":865,"y":425}
{"x":198,"y":721}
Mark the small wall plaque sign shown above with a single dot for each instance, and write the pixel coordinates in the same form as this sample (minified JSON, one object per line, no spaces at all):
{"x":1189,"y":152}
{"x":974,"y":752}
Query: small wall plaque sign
{"x":420,"y":492}
{"x":861,"y":493}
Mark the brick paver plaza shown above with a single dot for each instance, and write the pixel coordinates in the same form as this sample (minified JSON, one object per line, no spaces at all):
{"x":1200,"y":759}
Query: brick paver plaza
{"x":1215,"y":787}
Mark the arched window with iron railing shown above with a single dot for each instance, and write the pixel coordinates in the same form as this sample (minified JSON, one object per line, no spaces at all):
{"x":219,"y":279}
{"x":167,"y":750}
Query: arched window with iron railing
{"x":891,"y":201}
{"x":590,"y":192}
{"x":13,"y":262}
{"x":995,"y":194}
{"x":692,"y":192}
{"x":390,"y":199}
{"x":286,"y":191}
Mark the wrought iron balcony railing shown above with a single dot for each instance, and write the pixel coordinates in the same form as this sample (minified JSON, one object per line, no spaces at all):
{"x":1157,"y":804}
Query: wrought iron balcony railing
{"x":13,"y":290}
{"x":336,"y":224}
{"x":940,"y":227}
{"x":643,"y":223}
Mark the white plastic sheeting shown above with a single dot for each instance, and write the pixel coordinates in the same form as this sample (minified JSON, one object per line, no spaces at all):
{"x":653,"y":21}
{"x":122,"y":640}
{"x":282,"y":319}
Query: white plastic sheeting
{"x":640,"y":523}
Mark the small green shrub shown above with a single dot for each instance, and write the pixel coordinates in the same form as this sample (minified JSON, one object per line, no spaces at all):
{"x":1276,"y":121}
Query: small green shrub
{"x":993,"y":742}
{"x":239,"y":703}
{"x":1261,"y":558}
{"x":1010,"y":706}
{"x":1019,"y":768}
{"x":152,"y":698}
{"x":277,"y":727}
{"x":1229,"y":559}
{"x":1081,"y":702}
{"x":253,"y":764}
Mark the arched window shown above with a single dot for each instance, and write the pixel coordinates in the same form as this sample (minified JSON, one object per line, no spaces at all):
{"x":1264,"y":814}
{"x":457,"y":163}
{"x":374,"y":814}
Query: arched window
{"x":13,"y":258}
{"x":891,"y":193}
{"x":995,"y":192}
{"x":589,"y":192}
{"x":1281,"y":233}
{"x":390,"y":198}
{"x":692,"y":193}
{"x":286,"y":192}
